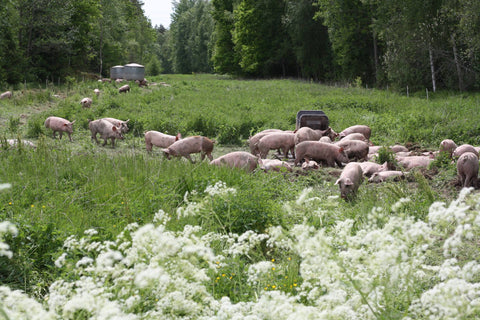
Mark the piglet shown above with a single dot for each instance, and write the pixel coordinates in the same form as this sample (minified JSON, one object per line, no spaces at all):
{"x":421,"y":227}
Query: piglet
{"x":187,"y":146}
{"x":363,"y":129}
{"x":464,"y":148}
{"x":383,"y":176}
{"x":320,"y":151}
{"x":119,"y":124}
{"x":124,"y":89}
{"x":277,"y":140}
{"x":237,"y":159}
{"x":86,"y":102}
{"x":274,"y":164}
{"x":467,"y":169}
{"x":350,"y":179}
{"x":61,"y":125}
{"x":106,"y":129}
{"x":6,"y":95}
{"x":448,"y":146}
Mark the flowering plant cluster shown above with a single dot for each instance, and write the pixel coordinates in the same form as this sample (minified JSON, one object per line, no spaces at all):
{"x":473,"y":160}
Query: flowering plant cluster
{"x":389,"y":266}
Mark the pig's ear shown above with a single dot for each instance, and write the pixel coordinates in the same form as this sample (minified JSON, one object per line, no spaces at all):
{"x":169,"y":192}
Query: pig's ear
{"x":337,"y":182}
{"x":73,"y":121}
{"x":114,"y":128}
{"x":340,"y":150}
{"x":127,"y":120}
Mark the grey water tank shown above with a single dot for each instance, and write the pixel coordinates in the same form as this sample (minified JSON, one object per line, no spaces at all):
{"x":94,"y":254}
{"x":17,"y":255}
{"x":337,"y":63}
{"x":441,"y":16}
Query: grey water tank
{"x":134,"y":71}
{"x":117,"y":72}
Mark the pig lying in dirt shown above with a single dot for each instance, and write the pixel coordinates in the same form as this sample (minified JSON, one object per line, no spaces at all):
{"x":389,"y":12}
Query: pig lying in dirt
{"x":310,"y":165}
{"x":86,"y":102}
{"x":355,"y":149}
{"x":119,"y":124}
{"x":106,"y":129}
{"x":467,"y":169}
{"x":15,"y":142}
{"x":159,"y":139}
{"x":369,"y":168}
{"x":320,"y":151}
{"x":237,"y":159}
{"x":411,"y":162}
{"x":187,"y":146}
{"x":277,"y":140}
{"x":274,"y":164}
{"x":383,"y":176}
{"x":350,"y":179}
{"x":60,"y":125}
{"x":365,"y":130}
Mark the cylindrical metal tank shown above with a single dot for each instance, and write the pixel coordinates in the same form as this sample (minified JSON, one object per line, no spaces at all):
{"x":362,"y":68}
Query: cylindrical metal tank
{"x":117,"y":72}
{"x":134,"y":71}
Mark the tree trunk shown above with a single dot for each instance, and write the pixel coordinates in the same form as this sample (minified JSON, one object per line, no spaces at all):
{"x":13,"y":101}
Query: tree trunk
{"x":375,"y":55}
{"x":432,"y":69}
{"x":457,"y":64}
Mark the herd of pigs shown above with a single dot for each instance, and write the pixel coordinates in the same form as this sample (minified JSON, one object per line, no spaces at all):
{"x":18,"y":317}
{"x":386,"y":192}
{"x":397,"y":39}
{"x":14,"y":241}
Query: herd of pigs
{"x":350,"y":149}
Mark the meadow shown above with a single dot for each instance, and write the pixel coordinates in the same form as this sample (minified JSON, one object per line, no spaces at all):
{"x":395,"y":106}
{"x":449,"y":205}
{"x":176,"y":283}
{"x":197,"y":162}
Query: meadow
{"x":97,"y":232}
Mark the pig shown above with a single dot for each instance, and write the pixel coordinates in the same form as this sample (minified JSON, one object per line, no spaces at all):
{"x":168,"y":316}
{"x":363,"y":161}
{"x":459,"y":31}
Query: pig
{"x":15,"y":142}
{"x":398,"y":148}
{"x":86,"y":102}
{"x":61,"y":125}
{"x":142,"y":83}
{"x":96,"y":91}
{"x":320,"y":151}
{"x":448,"y":146}
{"x":124,"y":89}
{"x":373,"y":149}
{"x":119,"y":123}
{"x":325,"y":139}
{"x":467,"y":169}
{"x":350,"y":179}
{"x":237,"y":159}
{"x":277,"y":140}
{"x":159,"y":139}
{"x":309,"y":134}
{"x":369,"y":168}
{"x":355,"y":136}
{"x":106,"y":129}
{"x":187,"y":146}
{"x":274,"y":164}
{"x":6,"y":95}
{"x":310,"y":165}
{"x":355,"y":149}
{"x":365,"y":130}
{"x":411,"y":162}
{"x":383,"y":176}
{"x":253,"y":141}
{"x":462,"y":149}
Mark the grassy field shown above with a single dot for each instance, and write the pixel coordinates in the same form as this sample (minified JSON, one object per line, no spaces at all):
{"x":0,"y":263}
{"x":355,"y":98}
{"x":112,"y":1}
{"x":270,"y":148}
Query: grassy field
{"x":248,"y":235}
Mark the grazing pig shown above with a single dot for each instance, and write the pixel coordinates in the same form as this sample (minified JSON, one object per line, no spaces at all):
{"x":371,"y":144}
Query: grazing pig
{"x":253,"y":141}
{"x":350,"y":179}
{"x":61,"y":125}
{"x":106,"y":129}
{"x":277,"y":140}
{"x":464,"y":148}
{"x":383,"y":176}
{"x":187,"y":146}
{"x":237,"y":159}
{"x":86,"y":102}
{"x":467,"y":169}
{"x":159,"y":139}
{"x":365,"y":130}
{"x":274,"y":164}
{"x":96,"y":91}
{"x":320,"y":151}
{"x":119,"y":123}
{"x":369,"y":168}
{"x":309,"y":134}
{"x":411,"y":162}
{"x":124,"y":89}
{"x":448,"y":146}
{"x":6,"y":95}
{"x":355,"y":149}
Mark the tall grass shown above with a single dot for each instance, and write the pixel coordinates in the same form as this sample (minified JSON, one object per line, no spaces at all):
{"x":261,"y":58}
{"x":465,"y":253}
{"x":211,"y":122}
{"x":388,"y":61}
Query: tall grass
{"x":61,"y":189}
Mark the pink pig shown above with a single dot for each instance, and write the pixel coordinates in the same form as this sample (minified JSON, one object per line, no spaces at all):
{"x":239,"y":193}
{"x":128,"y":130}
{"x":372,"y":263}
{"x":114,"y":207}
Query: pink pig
{"x":61,"y":125}
{"x":237,"y":159}
{"x":350,"y":179}
{"x":467,"y":169}
{"x":159,"y":139}
{"x":187,"y":146}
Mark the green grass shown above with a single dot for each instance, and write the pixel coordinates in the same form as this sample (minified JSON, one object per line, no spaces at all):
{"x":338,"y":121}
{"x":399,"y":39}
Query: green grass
{"x":65,"y":188}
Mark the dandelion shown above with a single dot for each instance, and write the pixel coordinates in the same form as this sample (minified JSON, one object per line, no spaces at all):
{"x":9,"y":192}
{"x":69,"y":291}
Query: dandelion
{"x":32,"y":206}
{"x":10,"y":203}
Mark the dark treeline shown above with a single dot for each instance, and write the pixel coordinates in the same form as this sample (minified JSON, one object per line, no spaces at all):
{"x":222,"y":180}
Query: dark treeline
{"x":398,"y":43}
